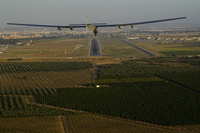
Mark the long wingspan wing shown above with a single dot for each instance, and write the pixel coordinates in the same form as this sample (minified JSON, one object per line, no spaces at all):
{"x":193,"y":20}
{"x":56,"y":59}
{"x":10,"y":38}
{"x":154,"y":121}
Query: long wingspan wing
{"x":56,"y":26}
{"x":94,"y":26}
{"x":138,"y":23}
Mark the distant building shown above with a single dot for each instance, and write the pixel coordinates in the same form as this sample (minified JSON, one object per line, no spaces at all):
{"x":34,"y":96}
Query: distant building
{"x":19,"y":43}
{"x":97,"y":86}
{"x":133,"y":38}
{"x":149,"y":38}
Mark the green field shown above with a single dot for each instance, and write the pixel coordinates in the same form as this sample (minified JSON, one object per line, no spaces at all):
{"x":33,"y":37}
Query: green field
{"x":133,"y":92}
{"x":154,"y":102}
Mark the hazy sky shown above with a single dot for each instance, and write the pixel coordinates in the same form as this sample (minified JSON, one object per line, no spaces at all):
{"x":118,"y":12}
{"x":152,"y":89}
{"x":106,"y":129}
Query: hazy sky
{"x":111,"y":11}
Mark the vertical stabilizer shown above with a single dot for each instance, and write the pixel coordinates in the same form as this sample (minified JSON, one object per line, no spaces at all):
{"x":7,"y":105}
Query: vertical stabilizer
{"x":86,"y":24}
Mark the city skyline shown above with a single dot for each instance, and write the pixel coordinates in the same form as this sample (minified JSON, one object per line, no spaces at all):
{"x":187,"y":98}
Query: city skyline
{"x":69,"y":12}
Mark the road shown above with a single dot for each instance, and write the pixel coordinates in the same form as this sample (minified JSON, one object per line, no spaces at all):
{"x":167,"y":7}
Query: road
{"x":94,"y":50}
{"x":139,"y":48}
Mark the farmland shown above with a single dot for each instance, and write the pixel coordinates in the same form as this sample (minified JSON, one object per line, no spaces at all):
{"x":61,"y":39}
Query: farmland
{"x":50,"y":124}
{"x":159,"y":94}
{"x":23,"y":77}
{"x":88,"y":123}
{"x":164,"y":100}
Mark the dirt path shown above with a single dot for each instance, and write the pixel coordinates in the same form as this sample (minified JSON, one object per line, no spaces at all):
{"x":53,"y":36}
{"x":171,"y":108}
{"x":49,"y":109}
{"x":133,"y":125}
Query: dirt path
{"x":65,"y":124}
{"x":94,"y":73}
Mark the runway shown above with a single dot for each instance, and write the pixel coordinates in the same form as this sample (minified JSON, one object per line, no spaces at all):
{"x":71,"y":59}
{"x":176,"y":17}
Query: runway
{"x":94,"y":50}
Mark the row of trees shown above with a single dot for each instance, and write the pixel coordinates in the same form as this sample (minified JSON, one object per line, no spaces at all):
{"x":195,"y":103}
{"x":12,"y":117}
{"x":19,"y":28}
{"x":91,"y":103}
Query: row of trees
{"x":148,"y":67}
{"x":35,"y":92}
{"x":9,"y":41}
{"x":42,"y":66}
{"x":17,"y":106}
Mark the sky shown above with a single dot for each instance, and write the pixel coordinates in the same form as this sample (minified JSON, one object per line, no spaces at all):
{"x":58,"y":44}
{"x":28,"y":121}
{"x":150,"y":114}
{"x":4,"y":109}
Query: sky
{"x":65,"y":12}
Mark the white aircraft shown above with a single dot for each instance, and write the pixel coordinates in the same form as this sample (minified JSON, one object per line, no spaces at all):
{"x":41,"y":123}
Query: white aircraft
{"x":94,"y":26}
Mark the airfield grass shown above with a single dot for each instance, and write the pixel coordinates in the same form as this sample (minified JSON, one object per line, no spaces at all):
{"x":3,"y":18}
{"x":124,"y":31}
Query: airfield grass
{"x":53,"y":48}
{"x":148,"y":45}
{"x":178,"y":49}
{"x":46,"y":124}
{"x":178,"y":53}
{"x":108,"y":46}
{"x":114,"y":47}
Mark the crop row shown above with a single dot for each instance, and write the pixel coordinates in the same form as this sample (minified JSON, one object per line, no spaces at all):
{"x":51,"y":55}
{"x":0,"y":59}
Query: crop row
{"x":32,"y":91}
{"x":125,"y":69}
{"x":42,"y":124}
{"x":99,"y":124}
{"x":191,"y":61}
{"x":16,"y":106}
{"x":44,"y":80}
{"x":42,"y":66}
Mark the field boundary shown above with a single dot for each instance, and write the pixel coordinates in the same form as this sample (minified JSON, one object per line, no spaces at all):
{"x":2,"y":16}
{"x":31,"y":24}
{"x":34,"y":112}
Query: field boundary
{"x":174,"y":82}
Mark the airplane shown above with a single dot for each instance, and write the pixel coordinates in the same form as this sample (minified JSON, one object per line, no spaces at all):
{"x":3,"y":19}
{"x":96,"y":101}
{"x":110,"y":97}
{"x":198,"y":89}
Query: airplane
{"x":94,"y":26}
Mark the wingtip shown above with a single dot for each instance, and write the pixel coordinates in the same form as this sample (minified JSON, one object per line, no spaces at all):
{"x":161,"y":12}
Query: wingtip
{"x":183,"y":17}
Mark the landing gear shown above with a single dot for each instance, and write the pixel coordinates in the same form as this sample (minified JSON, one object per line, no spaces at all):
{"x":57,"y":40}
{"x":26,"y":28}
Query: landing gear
{"x":95,"y":31}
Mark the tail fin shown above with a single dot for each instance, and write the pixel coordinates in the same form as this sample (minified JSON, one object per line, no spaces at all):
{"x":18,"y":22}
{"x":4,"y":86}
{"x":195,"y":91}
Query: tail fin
{"x":86,"y":24}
